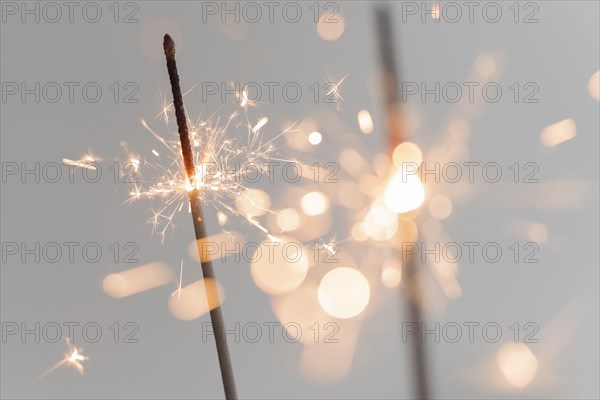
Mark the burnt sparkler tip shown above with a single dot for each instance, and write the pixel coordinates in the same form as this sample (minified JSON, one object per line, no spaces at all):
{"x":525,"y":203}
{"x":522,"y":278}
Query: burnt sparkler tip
{"x":169,"y":46}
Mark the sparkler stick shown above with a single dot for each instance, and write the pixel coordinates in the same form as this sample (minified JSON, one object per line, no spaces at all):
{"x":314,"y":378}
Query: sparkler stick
{"x":396,"y":136}
{"x":216,"y":316}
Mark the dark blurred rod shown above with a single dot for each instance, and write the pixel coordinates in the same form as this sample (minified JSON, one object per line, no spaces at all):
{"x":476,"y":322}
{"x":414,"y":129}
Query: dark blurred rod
{"x":395,"y":129}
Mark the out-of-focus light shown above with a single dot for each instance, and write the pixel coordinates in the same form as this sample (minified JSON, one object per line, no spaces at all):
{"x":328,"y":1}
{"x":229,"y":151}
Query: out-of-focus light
{"x":331,"y":27}
{"x":196,"y":299}
{"x":440,"y":206}
{"x":315,"y":138}
{"x":459,"y":129}
{"x":485,"y":65}
{"x":359,"y":232}
{"x":365,"y":122}
{"x":288,"y":220}
{"x":408,"y":230}
{"x":213,"y":247}
{"x":382,"y":216}
{"x":253,"y":202}
{"x":299,"y":310}
{"x":517,"y":363}
{"x":380,"y":223}
{"x":222,"y":218}
{"x":344,"y":292}
{"x":137,"y":280}
{"x":407,"y":152}
{"x":404,"y":193}
{"x":435,"y":11}
{"x":594,"y":86}
{"x":314,"y":203}
{"x":391,"y":274}
{"x":537,"y":232}
{"x":279,"y":267}
{"x":558,"y":133}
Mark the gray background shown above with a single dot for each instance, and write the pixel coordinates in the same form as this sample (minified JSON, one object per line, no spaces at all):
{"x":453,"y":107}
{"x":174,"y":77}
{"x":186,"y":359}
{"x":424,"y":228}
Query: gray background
{"x":560,"y":293}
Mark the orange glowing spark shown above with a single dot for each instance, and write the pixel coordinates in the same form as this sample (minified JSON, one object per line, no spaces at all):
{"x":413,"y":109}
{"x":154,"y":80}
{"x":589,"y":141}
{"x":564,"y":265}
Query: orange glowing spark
{"x":72,"y":357}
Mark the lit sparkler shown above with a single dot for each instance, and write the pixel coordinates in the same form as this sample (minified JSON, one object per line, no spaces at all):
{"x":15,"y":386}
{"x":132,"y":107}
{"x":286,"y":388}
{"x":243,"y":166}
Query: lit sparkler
{"x":221,"y":165}
{"x":191,"y":184}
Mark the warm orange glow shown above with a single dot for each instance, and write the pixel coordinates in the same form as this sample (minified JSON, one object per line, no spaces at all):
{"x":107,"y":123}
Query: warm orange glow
{"x":217,"y":246}
{"x":288,"y":220}
{"x":344,"y":292}
{"x":558,"y":133}
{"x":380,"y":223}
{"x":137,"y":280}
{"x":404,"y":193}
{"x":391,"y":274}
{"x":331,"y":27}
{"x":365,"y":122}
{"x":435,"y":11}
{"x":279,"y":267}
{"x":359,"y":232}
{"x":407,"y":152}
{"x":537,"y":232}
{"x":594,"y":86}
{"x":517,"y":363}
{"x":485,"y":65}
{"x":196,"y":299}
{"x":314,"y":203}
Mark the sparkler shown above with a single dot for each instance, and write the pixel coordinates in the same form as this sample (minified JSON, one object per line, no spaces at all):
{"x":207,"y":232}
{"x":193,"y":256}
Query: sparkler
{"x":396,"y":135}
{"x":198,"y":220}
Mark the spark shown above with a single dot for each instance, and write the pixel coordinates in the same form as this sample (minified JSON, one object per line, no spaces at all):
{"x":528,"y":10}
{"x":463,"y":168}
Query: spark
{"x":82,"y":163}
{"x":225,"y":151}
{"x":260,"y":124}
{"x":178,"y":291}
{"x":244,"y":101}
{"x":334,"y":93}
{"x":72,"y":358}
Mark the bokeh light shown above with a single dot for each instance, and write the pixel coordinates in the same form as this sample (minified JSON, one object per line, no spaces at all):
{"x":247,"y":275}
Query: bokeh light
{"x":344,"y":292}
{"x":331,"y":27}
{"x":196,"y":299}
{"x":137,"y":280}
{"x":314,"y":203}
{"x":404,"y":193}
{"x":517,"y":363}
{"x":365,"y":122}
{"x":594,"y":86}
{"x":315,"y":138}
{"x":558,"y":133}
{"x":407,"y":152}
{"x":279,"y":266}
